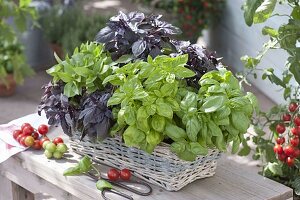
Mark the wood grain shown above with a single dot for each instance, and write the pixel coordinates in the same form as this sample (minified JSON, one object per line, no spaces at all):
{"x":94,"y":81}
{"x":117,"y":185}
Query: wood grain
{"x":19,"y":193}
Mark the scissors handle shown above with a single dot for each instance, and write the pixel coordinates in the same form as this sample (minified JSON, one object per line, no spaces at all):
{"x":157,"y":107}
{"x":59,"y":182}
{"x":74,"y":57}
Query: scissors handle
{"x":105,"y":191}
{"x":131,"y":189}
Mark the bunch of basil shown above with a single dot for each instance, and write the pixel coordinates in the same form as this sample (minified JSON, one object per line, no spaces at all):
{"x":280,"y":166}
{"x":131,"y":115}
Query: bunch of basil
{"x":175,"y":94}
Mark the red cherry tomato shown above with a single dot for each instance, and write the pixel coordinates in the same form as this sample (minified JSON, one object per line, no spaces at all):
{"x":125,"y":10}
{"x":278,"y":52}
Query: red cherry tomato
{"x":297,"y":153}
{"x":295,"y":130}
{"x":58,"y":140}
{"x":290,"y":161}
{"x":24,"y":125}
{"x":35,"y":135}
{"x":43,"y":140}
{"x":37,"y":145}
{"x":282,"y":157}
{"x":280,"y":128}
{"x":19,"y":137}
{"x":293,"y":107}
{"x":295,"y":141}
{"x":113,"y":174}
{"x":28,"y":130}
{"x":43,"y":129}
{"x":16,"y":133}
{"x":125,"y":174}
{"x":289,"y":150}
{"x":278,"y":149}
{"x":286,"y":117}
{"x":280,"y":140}
{"x":297,"y":121}
{"x":22,"y":141}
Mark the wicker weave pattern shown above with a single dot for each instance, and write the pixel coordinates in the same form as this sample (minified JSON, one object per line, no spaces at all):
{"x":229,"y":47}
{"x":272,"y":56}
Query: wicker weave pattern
{"x":162,"y":167}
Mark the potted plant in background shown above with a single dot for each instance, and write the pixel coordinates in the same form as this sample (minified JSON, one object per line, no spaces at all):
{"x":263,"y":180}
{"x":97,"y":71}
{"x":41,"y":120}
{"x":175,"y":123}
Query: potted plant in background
{"x":13,"y":67}
{"x":278,"y":130}
{"x":191,"y":16}
{"x":66,"y":27}
{"x":139,"y":87}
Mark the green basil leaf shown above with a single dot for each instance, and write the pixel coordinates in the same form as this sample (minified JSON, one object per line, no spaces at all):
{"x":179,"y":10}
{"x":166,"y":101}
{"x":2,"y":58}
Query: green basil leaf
{"x":240,"y":121}
{"x":167,"y":89}
{"x":142,"y":119}
{"x":116,"y":99}
{"x":155,"y":76}
{"x":151,"y":109}
{"x":192,"y":128}
{"x":70,"y":90}
{"x":183,"y":72}
{"x":158,"y":123}
{"x":174,"y":132}
{"x":85,"y":164}
{"x":133,"y":137}
{"x":197,"y":149}
{"x":214,"y":129}
{"x":129,"y":115}
{"x":173,"y":103}
{"x":82,"y":71}
{"x":212,"y":103}
{"x":208,"y":81}
{"x":154,"y":138}
{"x":163,"y":109}
{"x":235,"y":145}
{"x":178,"y":147}
{"x":103,"y":184}
{"x":65,"y":77}
{"x":72,"y":171}
{"x":190,"y":100}
{"x":219,"y":143}
{"x":250,"y":7}
{"x":140,"y":94}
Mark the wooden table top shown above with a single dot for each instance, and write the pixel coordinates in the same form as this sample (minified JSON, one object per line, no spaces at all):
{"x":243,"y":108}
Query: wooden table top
{"x":231,"y":181}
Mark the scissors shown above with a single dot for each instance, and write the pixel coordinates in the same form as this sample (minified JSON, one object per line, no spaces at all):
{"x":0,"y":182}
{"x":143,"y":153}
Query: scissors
{"x":123,"y":184}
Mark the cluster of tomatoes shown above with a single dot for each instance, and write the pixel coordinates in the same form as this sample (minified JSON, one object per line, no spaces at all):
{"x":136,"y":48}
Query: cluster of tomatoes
{"x":114,"y":174}
{"x":287,"y":148}
{"x":27,"y":136}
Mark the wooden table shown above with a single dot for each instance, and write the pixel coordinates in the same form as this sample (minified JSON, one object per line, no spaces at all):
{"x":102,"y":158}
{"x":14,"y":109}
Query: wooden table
{"x":32,"y":171}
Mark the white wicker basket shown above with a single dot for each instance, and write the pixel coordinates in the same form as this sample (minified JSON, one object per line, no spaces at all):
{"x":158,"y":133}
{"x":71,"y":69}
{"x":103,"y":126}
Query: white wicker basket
{"x":162,"y":167}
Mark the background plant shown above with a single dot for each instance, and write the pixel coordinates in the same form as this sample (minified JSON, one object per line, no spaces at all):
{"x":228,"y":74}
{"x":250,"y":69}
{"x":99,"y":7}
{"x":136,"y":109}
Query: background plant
{"x":284,"y":165}
{"x":11,"y":57}
{"x":190,"y":15}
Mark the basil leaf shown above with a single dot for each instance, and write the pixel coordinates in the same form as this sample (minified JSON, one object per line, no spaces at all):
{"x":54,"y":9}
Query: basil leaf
{"x":192,"y":128}
{"x":197,"y":149}
{"x":142,"y":119}
{"x":154,"y":138}
{"x":163,"y":109}
{"x":72,"y":171}
{"x":85,"y":164}
{"x":158,"y":123}
{"x":133,"y":137}
{"x":212,"y":103}
{"x":103,"y":184}
{"x":174,"y":132}
{"x":264,"y":11}
{"x":129,"y":115}
{"x":240,"y":121}
{"x":190,"y":100}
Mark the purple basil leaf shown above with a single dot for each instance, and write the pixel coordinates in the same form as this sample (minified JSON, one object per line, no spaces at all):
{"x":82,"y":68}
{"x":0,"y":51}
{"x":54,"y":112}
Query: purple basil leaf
{"x":138,"y":47}
{"x":105,"y":35}
{"x":136,"y":16}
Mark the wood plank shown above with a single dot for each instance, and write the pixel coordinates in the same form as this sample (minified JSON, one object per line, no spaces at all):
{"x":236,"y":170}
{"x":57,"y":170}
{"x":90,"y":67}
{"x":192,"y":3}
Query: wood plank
{"x":5,"y":188}
{"x":19,"y":193}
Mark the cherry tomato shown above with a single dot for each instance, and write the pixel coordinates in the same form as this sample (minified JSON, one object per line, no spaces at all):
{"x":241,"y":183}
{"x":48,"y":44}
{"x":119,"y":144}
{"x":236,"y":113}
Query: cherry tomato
{"x":29,"y":141}
{"x":22,"y":141}
{"x":43,"y":129}
{"x":43,"y":140}
{"x":297,"y":153}
{"x":19,"y":137}
{"x":286,"y":117}
{"x":297,"y":121}
{"x":125,"y":174}
{"x":289,"y":150}
{"x":37,"y":145}
{"x":282,"y":157}
{"x":280,"y":140}
{"x":294,"y":131}
{"x":294,"y":141}
{"x":35,"y":135}
{"x":58,"y":140}
{"x":290,"y":161}
{"x":293,"y":107}
{"x":113,"y":174}
{"x":24,"y":125}
{"x":16,"y":133}
{"x":280,"y":128}
{"x":28,"y":130}
{"x":278,"y":149}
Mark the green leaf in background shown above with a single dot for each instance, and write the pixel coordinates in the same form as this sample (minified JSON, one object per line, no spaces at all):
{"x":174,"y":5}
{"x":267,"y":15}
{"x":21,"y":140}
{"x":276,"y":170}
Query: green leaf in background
{"x":264,"y":11}
{"x":294,"y":68}
{"x":245,"y":149}
{"x":296,"y":185}
{"x":250,"y":62}
{"x":275,"y":168}
{"x":269,"y":31}
{"x":296,"y":13}
{"x":103,"y":184}
{"x":235,"y":145}
{"x":212,"y":103}
{"x":250,"y":7}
